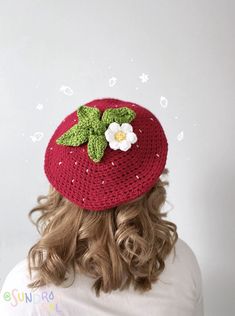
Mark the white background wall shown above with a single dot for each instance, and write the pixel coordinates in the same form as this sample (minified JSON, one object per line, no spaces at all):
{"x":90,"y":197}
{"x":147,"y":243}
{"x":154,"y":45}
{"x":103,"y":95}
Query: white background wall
{"x":187,"y":50}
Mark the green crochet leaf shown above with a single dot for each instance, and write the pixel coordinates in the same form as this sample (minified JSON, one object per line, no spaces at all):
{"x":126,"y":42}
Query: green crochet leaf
{"x":88,"y":114}
{"x":75,"y":136}
{"x":96,"y":147}
{"x":79,"y":133}
{"x":98,"y":127}
{"x":118,"y":115}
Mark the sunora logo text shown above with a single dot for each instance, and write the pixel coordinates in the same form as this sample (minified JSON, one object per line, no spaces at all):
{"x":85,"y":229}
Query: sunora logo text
{"x":44,"y":299}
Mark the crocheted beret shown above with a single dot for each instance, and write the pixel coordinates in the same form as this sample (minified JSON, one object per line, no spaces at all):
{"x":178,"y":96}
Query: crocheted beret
{"x":105,"y":153}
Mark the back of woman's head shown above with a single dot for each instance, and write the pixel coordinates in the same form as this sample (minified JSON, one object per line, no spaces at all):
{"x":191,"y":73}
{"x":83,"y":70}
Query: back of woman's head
{"x":118,"y":247}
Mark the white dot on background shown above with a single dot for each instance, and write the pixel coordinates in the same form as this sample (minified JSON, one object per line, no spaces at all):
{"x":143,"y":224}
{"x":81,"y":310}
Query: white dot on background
{"x":39,"y":106}
{"x":66,"y":90}
{"x":112,"y":163}
{"x":60,"y":162}
{"x":180,"y":136}
{"x":87,"y":170}
{"x":71,"y":152}
{"x":112,"y":81}
{"x":157,"y":155}
{"x":37,"y":136}
{"x":72,"y":180}
{"x":137,"y":177}
{"x":76,"y":163}
{"x":163,"y":102}
{"x":83,"y":199}
{"x":144,"y":77}
{"x":102,"y":182}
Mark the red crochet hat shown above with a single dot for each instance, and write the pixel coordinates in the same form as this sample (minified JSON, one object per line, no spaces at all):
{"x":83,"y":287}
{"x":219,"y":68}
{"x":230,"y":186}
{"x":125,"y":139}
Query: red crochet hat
{"x":105,"y":153}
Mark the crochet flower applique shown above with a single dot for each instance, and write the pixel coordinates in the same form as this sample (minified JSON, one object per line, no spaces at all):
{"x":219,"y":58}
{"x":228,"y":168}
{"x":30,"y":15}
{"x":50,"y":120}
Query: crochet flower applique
{"x":112,"y":128}
{"x":120,"y":137}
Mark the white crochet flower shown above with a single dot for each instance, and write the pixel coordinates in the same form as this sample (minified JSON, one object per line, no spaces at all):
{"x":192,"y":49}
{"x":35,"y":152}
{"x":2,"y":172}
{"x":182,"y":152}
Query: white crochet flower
{"x":120,"y":137}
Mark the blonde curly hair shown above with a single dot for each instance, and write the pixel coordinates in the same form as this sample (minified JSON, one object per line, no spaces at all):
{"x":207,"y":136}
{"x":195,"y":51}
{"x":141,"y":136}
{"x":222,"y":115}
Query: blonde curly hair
{"x":118,"y":247}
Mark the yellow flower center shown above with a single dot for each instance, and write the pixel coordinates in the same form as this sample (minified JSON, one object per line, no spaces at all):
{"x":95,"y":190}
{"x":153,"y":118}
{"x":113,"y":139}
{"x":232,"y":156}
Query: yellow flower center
{"x":119,"y":136}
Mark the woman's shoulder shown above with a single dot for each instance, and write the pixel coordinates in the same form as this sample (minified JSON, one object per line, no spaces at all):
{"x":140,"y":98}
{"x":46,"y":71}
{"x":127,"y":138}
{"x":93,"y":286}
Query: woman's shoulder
{"x":183,"y":250}
{"x":17,"y":273}
{"x":183,"y":258}
{"x":183,"y":268}
{"x":14,"y":281}
{"x":186,"y":257}
{"x":16,"y":298}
